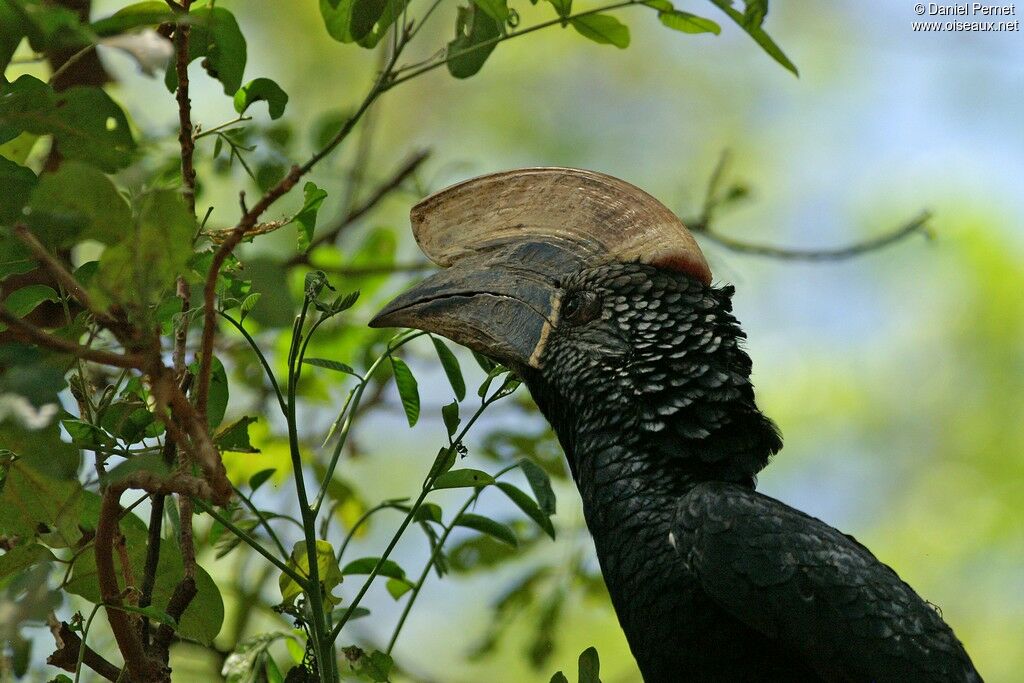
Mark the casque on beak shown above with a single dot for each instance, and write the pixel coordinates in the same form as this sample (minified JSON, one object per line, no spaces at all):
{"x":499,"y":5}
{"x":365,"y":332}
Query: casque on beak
{"x":507,"y":240}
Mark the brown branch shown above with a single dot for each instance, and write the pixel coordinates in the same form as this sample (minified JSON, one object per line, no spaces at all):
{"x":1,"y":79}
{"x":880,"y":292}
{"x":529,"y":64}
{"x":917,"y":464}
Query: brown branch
{"x":916,"y":225}
{"x":61,"y":275}
{"x":31,"y":333}
{"x":185,"y":133}
{"x":383,"y":190}
{"x":140,"y":667}
{"x":68,"y":647}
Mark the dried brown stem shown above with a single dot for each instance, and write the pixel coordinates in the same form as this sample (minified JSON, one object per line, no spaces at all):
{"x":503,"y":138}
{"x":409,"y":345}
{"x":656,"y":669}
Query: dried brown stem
{"x":68,"y":647}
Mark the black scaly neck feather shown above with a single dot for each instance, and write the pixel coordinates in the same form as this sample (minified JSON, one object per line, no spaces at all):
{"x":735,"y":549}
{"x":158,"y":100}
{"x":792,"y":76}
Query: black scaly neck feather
{"x":649,"y":399}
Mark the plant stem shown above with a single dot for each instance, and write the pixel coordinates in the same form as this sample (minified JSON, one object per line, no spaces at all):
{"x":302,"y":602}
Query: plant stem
{"x":85,"y":635}
{"x":263,"y":359}
{"x":421,"y":68}
{"x":250,"y":541}
{"x":263,"y":522}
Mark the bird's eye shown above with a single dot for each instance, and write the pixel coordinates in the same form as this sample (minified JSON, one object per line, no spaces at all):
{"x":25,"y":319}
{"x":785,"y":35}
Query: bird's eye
{"x":579,"y":307}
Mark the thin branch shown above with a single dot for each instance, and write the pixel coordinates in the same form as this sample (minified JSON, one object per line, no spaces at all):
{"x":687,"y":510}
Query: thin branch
{"x":383,"y":190}
{"x":61,"y":274}
{"x":916,"y":225}
{"x":185,"y":133}
{"x":29,"y":332}
{"x":70,"y":646}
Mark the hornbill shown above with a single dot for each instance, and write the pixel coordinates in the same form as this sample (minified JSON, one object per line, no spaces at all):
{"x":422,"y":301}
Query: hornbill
{"x":597,"y":296}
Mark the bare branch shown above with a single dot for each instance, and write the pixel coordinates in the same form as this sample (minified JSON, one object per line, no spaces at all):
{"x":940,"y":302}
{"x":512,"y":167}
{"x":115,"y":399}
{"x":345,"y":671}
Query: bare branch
{"x":31,"y":333}
{"x":68,"y":647}
{"x":916,"y":225}
{"x":185,"y":132}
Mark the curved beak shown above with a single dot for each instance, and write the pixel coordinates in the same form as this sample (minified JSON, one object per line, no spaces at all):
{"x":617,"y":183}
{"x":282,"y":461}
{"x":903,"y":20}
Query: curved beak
{"x":500,"y":303}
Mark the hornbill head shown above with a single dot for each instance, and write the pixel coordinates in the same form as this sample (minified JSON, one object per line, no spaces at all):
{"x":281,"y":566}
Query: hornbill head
{"x":587,"y":287}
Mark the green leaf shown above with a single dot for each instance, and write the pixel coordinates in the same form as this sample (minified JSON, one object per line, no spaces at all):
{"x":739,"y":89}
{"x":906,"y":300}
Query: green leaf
{"x":688,"y":23}
{"x":365,"y":565}
{"x":590,"y":666}
{"x":562,"y":7}
{"x":21,"y":557}
{"x":335,"y":365}
{"x":485,"y":363}
{"x":216,"y":36}
{"x":23,"y":301}
{"x":78,"y":202}
{"x":408,"y":390}
{"x":151,"y":13}
{"x":261,"y":89}
{"x":540,"y":484}
{"x":495,"y":9}
{"x":527,"y":505}
{"x":257,"y":480}
{"x":429,"y":512}
{"x":451,"y":367}
{"x":17,"y":182}
{"x":217,"y":398}
{"x":33,"y":503}
{"x":365,"y":14}
{"x":235,"y":436}
{"x":337,"y":18}
{"x":602,"y":28}
{"x":88,"y":124}
{"x":12,"y":31}
{"x":152,"y":463}
{"x":486,"y":525}
{"x":450,"y":415}
{"x":204,"y":616}
{"x":462,"y":478}
{"x":398,"y":587}
{"x":305,"y":219}
{"x":376,"y":666}
{"x":244,"y":665}
{"x":248,"y":304}
{"x":142,"y":266}
{"x":476,"y":35}
{"x":746,"y":21}
{"x":329,"y":574}
{"x":443,"y":462}
{"x":559,"y":678}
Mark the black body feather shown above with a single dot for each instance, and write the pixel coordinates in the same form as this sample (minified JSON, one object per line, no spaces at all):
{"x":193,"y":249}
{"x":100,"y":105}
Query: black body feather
{"x":646,"y":384}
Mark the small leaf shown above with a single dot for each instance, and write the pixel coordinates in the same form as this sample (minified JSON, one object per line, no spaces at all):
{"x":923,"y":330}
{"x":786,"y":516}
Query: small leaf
{"x":746,"y":22}
{"x":215,"y":35}
{"x":408,"y":390}
{"x":688,"y":23}
{"x":257,"y":480}
{"x":328,"y":364}
{"x":398,"y":587}
{"x":540,"y":484}
{"x":18,"y":183}
{"x":602,"y":28}
{"x":476,"y":35}
{"x":559,"y":678}
{"x":429,"y":512}
{"x":450,"y":415}
{"x":527,"y":505}
{"x":327,"y":567}
{"x":365,"y":14}
{"x":590,"y":666}
{"x":23,"y":301}
{"x":261,"y":89}
{"x":462,"y":478}
{"x":451,"y":367}
{"x":152,"y":463}
{"x":365,"y":565}
{"x":235,"y":436}
{"x":495,"y":9}
{"x":485,"y":363}
{"x":249,"y":303}
{"x":344,"y":302}
{"x":305,"y":219}
{"x":443,"y":462}
{"x":487,"y":526}
{"x":376,"y":666}
{"x":563,"y":7}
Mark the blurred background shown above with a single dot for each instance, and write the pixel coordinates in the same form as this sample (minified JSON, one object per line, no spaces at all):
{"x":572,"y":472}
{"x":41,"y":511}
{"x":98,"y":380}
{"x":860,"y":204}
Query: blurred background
{"x":896,"y":378}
